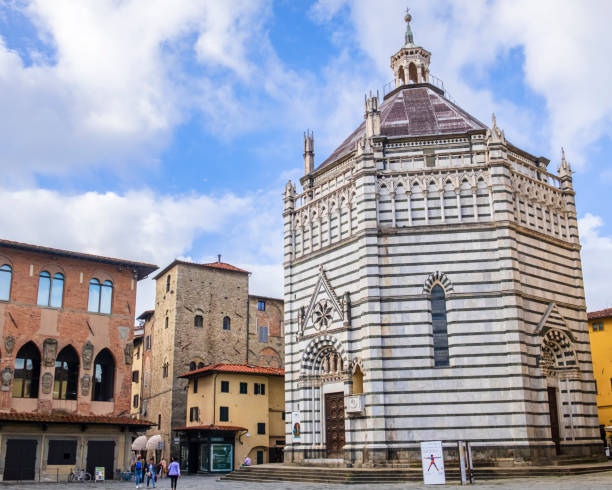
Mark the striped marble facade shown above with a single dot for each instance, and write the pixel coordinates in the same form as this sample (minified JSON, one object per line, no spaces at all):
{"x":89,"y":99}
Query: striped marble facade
{"x":373,"y":232}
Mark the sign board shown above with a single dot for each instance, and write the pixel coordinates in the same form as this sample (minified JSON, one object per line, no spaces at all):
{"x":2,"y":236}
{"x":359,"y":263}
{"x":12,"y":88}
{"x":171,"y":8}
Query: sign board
{"x":296,"y":428}
{"x":99,"y":473}
{"x":433,"y":463}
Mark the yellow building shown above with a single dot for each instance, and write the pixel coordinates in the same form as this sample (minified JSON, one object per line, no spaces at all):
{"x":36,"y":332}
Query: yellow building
{"x":233,"y":411}
{"x":137,"y":372}
{"x":600,"y":333}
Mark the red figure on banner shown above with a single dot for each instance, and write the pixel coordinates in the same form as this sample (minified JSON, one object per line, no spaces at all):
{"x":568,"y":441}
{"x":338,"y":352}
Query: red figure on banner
{"x":432,"y":462}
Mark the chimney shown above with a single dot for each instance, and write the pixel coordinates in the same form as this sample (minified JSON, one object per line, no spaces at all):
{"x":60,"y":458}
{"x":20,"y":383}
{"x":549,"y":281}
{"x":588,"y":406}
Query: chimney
{"x":308,"y":152}
{"x":219,"y":258}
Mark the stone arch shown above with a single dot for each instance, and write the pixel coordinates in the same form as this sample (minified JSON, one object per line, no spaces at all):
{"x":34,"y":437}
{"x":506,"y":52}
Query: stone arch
{"x":401,"y":76}
{"x":316,"y":347}
{"x":438,"y":278}
{"x":413,"y":76}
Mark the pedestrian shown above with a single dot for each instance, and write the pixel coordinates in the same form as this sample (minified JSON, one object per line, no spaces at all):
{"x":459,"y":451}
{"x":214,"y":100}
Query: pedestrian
{"x":151,"y":472}
{"x":174,"y":472}
{"x":138,"y":471}
{"x":247,"y":461}
{"x":163,"y":472}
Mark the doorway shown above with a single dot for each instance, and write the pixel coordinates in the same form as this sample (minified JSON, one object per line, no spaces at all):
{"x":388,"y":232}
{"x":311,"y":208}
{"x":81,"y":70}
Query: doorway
{"x":554,"y":418}
{"x":20,"y":461}
{"x":101,"y":453}
{"x":334,"y":424}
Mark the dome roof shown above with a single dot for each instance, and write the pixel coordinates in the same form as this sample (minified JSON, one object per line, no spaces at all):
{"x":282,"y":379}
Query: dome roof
{"x":413,"y":111}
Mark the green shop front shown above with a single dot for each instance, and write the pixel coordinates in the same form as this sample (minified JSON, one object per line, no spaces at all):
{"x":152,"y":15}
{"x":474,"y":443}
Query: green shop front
{"x":208,"y":449}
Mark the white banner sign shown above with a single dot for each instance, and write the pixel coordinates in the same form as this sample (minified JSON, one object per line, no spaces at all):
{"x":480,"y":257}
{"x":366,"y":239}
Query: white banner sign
{"x":433,"y":463}
{"x":296,"y":428}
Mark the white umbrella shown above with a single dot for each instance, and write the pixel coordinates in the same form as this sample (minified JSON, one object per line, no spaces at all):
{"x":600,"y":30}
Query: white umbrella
{"x":140,"y":443}
{"x":155,"y":442}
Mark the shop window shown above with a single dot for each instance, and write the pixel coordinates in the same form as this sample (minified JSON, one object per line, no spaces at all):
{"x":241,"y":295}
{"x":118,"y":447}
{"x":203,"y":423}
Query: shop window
{"x":263,"y":334}
{"x":223,"y":414}
{"x":66,"y":380}
{"x":100,"y":296}
{"x":261,"y":305}
{"x":27,"y":372}
{"x":244,"y":388}
{"x":50,"y":291}
{"x":6,"y":274}
{"x":103,"y":377}
{"x":438,"y":320}
{"x":224,"y":386}
{"x":261,"y":428}
{"x":226,"y":323}
{"x":62,"y":452}
{"x":198,"y":321}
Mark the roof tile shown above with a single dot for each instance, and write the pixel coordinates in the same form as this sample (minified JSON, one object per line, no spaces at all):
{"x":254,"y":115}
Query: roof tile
{"x":236,"y":368}
{"x":594,"y":315}
{"x":71,"y":418}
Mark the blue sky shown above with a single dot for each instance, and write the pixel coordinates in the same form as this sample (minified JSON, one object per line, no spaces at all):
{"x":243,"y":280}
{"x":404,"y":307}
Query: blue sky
{"x":156,"y":129}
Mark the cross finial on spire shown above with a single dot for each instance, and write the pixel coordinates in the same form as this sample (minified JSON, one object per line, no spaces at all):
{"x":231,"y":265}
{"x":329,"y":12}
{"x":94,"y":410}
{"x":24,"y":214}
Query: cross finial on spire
{"x":409,"y":35}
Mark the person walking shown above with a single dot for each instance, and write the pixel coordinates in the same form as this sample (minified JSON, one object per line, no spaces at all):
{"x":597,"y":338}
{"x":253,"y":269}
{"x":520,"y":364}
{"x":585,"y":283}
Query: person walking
{"x":151,"y":472}
{"x":163,"y":471}
{"x":174,"y":472}
{"x":138,"y":471}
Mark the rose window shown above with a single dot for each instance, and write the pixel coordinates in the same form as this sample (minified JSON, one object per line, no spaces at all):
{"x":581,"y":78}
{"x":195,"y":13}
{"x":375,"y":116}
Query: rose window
{"x":322,"y":315}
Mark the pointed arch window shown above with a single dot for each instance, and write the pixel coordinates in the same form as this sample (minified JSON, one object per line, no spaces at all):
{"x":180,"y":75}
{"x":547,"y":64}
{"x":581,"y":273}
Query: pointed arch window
{"x":27,"y":372}
{"x":100,"y":296}
{"x":192,"y":366}
{"x":198,"y":321}
{"x":226,"y":323}
{"x":438,"y":321}
{"x":103,"y":377}
{"x":66,"y":374}
{"x":6,"y":274}
{"x":50,"y":290}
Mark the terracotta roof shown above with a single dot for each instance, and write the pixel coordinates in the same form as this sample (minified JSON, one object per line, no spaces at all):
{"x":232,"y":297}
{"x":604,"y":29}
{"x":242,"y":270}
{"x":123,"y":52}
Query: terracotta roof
{"x":236,"y":368}
{"x":69,"y":418}
{"x":142,"y":269}
{"x":593,"y":315}
{"x":145,"y":315}
{"x":213,"y":265}
{"x":221,"y":428}
{"x":413,"y":111}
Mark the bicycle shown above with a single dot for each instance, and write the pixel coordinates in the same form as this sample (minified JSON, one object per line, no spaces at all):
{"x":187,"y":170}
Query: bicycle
{"x":79,"y":475}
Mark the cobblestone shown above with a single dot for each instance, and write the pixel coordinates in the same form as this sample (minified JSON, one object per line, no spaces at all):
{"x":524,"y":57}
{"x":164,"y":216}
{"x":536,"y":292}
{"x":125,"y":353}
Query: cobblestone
{"x":582,"y":482}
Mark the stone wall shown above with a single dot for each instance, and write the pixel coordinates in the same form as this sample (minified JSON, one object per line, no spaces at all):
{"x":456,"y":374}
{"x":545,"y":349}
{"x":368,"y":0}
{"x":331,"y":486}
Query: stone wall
{"x":272,"y":352}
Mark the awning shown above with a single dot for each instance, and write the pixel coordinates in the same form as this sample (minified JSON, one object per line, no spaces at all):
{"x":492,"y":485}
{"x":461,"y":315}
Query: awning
{"x":139,"y":444}
{"x":155,"y":442}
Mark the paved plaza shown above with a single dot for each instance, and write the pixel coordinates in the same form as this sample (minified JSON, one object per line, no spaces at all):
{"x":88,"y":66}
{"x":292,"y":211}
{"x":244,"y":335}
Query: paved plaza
{"x":584,"y":482}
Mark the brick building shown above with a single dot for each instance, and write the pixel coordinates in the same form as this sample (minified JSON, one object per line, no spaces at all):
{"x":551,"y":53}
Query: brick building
{"x":66,"y":323}
{"x":203,"y":315}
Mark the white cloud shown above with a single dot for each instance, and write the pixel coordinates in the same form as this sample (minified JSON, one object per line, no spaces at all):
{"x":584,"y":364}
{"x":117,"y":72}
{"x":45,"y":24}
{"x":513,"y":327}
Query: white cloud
{"x":596,"y":257}
{"x":144,"y":226}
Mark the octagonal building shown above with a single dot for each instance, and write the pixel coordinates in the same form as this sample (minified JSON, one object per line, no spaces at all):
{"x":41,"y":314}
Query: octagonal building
{"x":433,"y":291}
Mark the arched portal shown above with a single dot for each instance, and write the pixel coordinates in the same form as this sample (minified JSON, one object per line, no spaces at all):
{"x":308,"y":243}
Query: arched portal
{"x":412,"y":73}
{"x":401,"y":76}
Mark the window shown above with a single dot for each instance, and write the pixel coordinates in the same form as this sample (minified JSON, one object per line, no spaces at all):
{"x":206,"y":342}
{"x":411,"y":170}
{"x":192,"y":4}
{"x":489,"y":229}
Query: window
{"x":194,"y":414}
{"x":198,"y":321}
{"x":283,"y":416}
{"x":135,"y":376}
{"x":438,"y":321}
{"x":195,"y":385}
{"x":166,"y":325}
{"x":598,"y":327}
{"x":200,"y":365}
{"x":244,"y":388}
{"x":261,"y":305}
{"x":62,"y":452}
{"x":100,"y":296}
{"x":224,"y":386}
{"x":158,"y":421}
{"x":226,"y":323}
{"x":6,"y":272}
{"x":259,"y":388}
{"x":103,"y":377}
{"x":50,"y":292}
{"x":148,"y":342}
{"x":165,"y":370}
{"x":261,"y":428}
{"x":223,"y":414}
{"x":66,"y":380}
{"x":27,"y":372}
{"x":135,"y":401}
{"x":168,"y":283}
{"x":263,"y":334}
{"x":192,"y":366}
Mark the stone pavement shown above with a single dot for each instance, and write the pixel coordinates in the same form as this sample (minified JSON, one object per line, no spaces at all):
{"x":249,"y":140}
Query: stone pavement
{"x":582,"y":482}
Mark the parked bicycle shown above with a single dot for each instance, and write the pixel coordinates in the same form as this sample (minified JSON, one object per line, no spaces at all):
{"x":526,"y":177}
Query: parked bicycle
{"x":79,"y":475}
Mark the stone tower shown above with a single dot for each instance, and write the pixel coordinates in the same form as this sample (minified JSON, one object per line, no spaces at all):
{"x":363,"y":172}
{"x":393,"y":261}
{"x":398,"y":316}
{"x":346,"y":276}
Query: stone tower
{"x":433,"y":291}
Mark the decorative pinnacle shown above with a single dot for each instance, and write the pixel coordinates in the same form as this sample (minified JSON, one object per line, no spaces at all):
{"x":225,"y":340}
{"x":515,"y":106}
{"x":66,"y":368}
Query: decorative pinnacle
{"x":565,"y":168}
{"x":409,"y":35}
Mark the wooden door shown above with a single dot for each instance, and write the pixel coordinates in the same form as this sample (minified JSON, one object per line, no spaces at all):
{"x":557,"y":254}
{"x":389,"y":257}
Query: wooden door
{"x":101,"y":453}
{"x":20,"y":459}
{"x":554,"y":418}
{"x":334,"y":424}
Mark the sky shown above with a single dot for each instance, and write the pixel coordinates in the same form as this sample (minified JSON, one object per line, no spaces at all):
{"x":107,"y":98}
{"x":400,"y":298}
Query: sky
{"x":157,"y":129}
